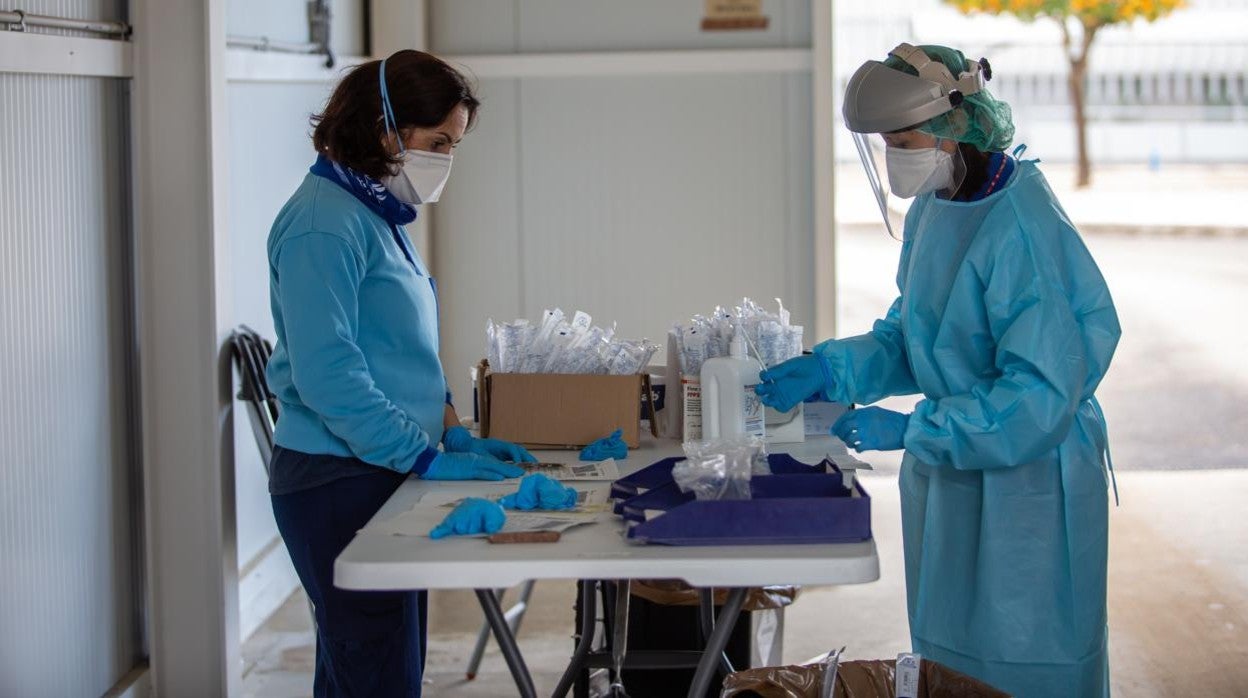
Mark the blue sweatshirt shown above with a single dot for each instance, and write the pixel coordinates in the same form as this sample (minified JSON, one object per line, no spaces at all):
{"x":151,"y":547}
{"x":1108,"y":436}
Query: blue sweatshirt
{"x":356,"y":365}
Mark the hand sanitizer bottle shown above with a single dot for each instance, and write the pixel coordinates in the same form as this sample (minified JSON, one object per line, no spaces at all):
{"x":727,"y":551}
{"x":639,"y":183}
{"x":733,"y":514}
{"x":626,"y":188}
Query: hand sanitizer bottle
{"x":730,"y":409}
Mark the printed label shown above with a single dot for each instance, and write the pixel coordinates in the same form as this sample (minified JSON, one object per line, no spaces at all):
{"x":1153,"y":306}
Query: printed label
{"x":755,"y":420}
{"x":692,"y":391}
{"x":908,"y":675}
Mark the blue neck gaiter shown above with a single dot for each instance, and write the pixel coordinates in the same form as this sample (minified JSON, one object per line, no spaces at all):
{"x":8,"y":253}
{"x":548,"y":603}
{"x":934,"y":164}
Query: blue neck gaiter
{"x":369,"y":191}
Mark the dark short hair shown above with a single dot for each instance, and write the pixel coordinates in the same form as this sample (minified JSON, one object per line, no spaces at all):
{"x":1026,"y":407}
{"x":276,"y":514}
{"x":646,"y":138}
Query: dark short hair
{"x":423,"y":90}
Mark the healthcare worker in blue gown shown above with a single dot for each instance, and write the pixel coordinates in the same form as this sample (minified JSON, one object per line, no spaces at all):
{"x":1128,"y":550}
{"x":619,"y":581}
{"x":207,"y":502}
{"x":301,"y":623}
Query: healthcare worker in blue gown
{"x":363,"y":400}
{"x":1005,"y":326}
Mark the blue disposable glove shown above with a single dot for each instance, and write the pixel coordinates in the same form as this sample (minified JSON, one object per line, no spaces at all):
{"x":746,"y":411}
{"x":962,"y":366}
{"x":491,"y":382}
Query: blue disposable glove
{"x":540,"y":492}
{"x":473,"y":515}
{"x":469,"y":466}
{"x":872,"y":429}
{"x":612,"y":446}
{"x":458,"y":440}
{"x":784,"y":385}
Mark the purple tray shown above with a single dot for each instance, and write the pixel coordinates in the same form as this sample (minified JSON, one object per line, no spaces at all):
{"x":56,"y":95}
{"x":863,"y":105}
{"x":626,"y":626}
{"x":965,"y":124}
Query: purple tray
{"x":659,"y":474}
{"x":793,"y":508}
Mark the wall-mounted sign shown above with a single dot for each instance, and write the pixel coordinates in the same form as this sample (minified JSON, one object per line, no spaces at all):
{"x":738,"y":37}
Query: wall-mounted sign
{"x":724,"y":15}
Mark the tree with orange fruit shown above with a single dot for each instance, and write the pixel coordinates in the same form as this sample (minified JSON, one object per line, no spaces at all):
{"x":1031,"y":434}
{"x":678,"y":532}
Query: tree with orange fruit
{"x":1079,"y":20}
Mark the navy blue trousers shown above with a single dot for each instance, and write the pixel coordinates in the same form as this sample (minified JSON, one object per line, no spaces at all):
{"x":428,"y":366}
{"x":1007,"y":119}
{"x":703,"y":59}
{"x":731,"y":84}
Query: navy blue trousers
{"x":368,"y":643}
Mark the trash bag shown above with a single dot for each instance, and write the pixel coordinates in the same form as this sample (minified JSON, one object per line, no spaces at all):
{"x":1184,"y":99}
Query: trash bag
{"x":854,"y":679}
{"x":673,"y":592}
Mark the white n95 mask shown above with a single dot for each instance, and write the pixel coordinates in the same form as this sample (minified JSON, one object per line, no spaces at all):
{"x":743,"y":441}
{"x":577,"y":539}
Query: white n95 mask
{"x":916,"y":171}
{"x":422,"y":177}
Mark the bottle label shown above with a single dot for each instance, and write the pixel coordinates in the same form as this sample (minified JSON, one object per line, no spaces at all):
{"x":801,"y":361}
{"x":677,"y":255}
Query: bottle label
{"x":755,"y":420}
{"x":692,"y":394}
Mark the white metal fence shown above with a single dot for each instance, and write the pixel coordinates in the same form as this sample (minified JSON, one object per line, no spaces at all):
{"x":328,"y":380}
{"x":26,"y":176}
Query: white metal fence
{"x":1178,"y":86}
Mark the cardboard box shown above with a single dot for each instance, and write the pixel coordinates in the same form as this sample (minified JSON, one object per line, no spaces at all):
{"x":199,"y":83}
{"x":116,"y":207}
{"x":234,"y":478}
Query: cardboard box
{"x":551,"y":410}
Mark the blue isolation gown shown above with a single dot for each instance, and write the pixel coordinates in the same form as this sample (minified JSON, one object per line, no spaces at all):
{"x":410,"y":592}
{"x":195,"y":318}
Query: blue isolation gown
{"x":1005,"y":325}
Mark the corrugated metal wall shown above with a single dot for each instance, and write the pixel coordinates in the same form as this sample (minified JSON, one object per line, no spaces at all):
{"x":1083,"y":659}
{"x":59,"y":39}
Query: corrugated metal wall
{"x":67,"y":474}
{"x":72,"y":9}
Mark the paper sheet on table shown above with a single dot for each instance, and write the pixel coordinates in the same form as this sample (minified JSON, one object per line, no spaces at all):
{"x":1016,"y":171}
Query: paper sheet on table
{"x":530,"y":521}
{"x":573,"y":472}
{"x":419,"y":520}
{"x":588,"y":501}
{"x":831,"y":448}
{"x":820,"y":416}
{"x":845,"y":461}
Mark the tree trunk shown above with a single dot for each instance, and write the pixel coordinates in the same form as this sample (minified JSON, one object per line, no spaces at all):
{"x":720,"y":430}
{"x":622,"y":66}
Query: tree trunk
{"x":1078,"y":71}
{"x":1075,"y":82}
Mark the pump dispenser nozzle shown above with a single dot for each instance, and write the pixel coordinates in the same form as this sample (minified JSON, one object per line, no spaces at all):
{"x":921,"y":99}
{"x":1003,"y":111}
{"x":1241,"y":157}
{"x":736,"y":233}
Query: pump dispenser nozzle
{"x":736,"y":348}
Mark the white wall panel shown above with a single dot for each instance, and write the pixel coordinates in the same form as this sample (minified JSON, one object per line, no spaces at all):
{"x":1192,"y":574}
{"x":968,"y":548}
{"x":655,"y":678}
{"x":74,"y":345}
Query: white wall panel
{"x":270,"y":152}
{"x":473,"y":26}
{"x":640,"y":199}
{"x":537,"y":26}
{"x":68,"y":516}
{"x":287,"y":20}
{"x":649,"y":199}
{"x":477,"y":245}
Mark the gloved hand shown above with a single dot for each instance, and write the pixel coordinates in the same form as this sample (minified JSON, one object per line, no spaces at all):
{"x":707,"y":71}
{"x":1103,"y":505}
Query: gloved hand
{"x":473,"y":515}
{"x":784,"y":385}
{"x":459,"y":440}
{"x":612,"y":446}
{"x":540,"y":492}
{"x":872,"y":429}
{"x":470,"y":466}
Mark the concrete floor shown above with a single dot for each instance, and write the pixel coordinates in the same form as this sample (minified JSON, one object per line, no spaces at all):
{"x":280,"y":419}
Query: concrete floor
{"x":1178,"y":604}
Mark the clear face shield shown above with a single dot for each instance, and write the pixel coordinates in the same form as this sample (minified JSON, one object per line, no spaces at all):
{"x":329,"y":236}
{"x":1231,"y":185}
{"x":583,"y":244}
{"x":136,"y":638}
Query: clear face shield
{"x":907,"y":171}
{"x":871,"y":153}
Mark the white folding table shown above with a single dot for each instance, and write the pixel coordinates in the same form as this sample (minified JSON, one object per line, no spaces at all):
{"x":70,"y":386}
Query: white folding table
{"x":599,"y":551}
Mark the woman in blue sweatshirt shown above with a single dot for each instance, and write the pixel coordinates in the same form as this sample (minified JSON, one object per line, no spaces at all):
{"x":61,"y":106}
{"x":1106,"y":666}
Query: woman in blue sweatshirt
{"x":364,"y":401}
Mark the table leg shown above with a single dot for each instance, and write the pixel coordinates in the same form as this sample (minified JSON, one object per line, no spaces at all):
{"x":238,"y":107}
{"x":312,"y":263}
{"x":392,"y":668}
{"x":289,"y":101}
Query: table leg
{"x":619,"y":642}
{"x":506,"y":642}
{"x":706,"y":619}
{"x":715,"y":645}
{"x":478,"y":651}
{"x":576,"y":665}
{"x":706,"y":612}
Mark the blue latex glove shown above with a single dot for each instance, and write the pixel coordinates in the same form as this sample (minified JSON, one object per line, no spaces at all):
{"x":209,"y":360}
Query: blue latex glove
{"x":612,"y":446}
{"x":470,"y":466}
{"x":784,"y":385}
{"x":872,"y":429}
{"x":473,"y":515}
{"x":540,"y":492}
{"x":459,"y":440}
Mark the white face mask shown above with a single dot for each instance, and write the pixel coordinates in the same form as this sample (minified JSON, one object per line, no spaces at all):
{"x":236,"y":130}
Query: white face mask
{"x":422,"y":178}
{"x":912,"y":172}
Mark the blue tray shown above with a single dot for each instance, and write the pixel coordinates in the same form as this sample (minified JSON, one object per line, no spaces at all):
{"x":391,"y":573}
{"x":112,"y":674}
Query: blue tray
{"x":804,"y":505}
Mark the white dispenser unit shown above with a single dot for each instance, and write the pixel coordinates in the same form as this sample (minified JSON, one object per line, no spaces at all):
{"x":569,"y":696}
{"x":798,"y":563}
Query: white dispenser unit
{"x":730,"y":409}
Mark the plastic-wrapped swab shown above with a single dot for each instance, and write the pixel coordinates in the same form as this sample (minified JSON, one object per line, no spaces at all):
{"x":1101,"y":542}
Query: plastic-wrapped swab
{"x":556,"y":345}
{"x":770,"y":335}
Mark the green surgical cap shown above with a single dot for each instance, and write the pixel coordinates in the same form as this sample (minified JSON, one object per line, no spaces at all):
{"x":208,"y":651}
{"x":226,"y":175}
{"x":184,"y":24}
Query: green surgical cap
{"x":981,"y":120}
